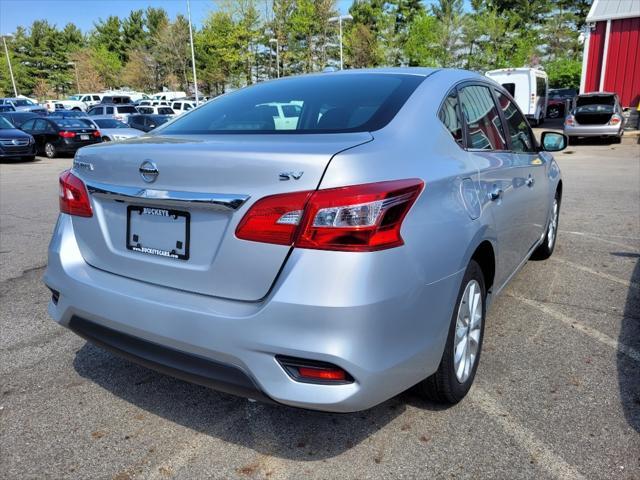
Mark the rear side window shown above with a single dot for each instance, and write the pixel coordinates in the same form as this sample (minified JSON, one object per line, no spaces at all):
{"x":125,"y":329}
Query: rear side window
{"x":358,"y":102}
{"x":519,"y":131}
{"x":484,"y":128}
{"x":145,"y":110}
{"x":177,"y":106}
{"x":450,"y":117}
{"x":165,"y":111}
{"x":541,"y":87}
{"x":511,"y":88}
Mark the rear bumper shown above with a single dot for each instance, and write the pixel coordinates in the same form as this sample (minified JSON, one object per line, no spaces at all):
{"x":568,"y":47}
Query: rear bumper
{"x":387,"y":338}
{"x":593,"y":130}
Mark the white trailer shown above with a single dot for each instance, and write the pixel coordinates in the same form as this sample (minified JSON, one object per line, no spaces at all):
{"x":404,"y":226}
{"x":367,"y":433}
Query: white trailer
{"x":529,"y":88}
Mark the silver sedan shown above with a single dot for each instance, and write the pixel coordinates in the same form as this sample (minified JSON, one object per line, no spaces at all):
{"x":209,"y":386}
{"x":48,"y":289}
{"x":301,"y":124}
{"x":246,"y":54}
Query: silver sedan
{"x":114,"y":130}
{"x":328,"y":263}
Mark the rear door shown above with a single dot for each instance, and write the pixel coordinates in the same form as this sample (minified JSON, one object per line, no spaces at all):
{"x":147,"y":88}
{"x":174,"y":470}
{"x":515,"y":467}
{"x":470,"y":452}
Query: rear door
{"x":502,"y":178}
{"x":207,"y":257}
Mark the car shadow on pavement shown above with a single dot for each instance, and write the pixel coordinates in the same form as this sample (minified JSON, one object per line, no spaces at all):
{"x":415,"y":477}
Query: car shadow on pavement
{"x":275,"y":430}
{"x":628,"y":369}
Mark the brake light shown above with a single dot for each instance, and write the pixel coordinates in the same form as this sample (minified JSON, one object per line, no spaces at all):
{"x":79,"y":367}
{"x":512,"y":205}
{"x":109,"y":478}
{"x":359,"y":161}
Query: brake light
{"x":67,"y":134}
{"x":74,"y":198}
{"x":358,"y":218}
{"x":615,"y":119}
{"x":96,"y":133}
{"x":570,"y":121}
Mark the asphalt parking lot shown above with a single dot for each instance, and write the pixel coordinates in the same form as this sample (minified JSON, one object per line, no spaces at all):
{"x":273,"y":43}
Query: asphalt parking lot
{"x":557,"y":393}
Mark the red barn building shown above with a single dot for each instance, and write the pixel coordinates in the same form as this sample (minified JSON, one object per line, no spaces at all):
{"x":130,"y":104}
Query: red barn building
{"x":611,"y":61}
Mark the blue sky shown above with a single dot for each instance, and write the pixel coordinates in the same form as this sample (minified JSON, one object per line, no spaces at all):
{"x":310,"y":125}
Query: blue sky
{"x":85,"y":12}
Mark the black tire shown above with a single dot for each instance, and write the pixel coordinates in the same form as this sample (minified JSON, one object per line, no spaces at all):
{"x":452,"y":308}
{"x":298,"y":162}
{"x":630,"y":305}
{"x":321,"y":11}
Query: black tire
{"x":572,"y":140}
{"x":50,"y":150}
{"x":106,"y":139}
{"x":545,"y":250}
{"x":553,"y":112}
{"x":444,"y":386}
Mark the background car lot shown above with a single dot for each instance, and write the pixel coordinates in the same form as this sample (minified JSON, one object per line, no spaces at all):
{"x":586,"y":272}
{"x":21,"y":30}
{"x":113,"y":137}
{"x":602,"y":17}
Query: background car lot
{"x":557,"y":393}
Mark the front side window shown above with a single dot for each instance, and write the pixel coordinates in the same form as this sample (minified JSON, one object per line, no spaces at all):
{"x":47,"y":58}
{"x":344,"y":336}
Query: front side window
{"x":358,"y":103}
{"x":109,"y":110}
{"x":449,"y":115}
{"x":95,"y":111}
{"x":484,"y":128}
{"x":28,"y":125}
{"x":519,"y":131}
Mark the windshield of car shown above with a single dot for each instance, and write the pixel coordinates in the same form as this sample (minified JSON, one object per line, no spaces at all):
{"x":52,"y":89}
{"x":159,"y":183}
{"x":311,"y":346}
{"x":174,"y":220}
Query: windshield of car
{"x":75,"y":97}
{"x":595,"y":100}
{"x":74,"y":123}
{"x":328,"y":104}
{"x":5,"y":124}
{"x":110,"y":123}
{"x":21,"y":102}
{"x":127,"y":110}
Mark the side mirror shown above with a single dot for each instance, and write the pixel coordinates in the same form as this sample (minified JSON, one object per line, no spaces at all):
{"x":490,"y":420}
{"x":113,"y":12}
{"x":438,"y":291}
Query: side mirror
{"x":553,"y":141}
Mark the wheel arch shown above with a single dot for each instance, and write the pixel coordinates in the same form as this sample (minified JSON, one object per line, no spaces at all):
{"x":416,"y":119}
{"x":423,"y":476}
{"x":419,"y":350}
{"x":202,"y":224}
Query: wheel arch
{"x":484,"y":255}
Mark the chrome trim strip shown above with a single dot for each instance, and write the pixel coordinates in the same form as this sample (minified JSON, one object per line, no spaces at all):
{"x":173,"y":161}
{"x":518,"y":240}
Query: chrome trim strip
{"x":218,"y":201}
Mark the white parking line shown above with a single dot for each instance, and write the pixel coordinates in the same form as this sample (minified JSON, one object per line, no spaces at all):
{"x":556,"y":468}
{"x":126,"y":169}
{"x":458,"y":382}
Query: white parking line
{"x":592,"y":332}
{"x":626,"y":283}
{"x":544,"y":455}
{"x":599,"y":237}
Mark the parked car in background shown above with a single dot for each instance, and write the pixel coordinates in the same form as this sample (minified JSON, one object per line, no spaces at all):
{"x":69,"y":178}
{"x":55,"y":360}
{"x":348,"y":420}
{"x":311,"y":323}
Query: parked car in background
{"x":557,"y":101}
{"x":181,"y":106}
{"x":52,"y":105}
{"x":285,"y":115}
{"x":317,"y":265}
{"x":596,"y":114}
{"x":15,"y":143}
{"x":119,"y":112}
{"x":89,"y":99}
{"x":528,"y":87}
{"x":147,"y":122}
{"x":23,"y":105}
{"x":153,"y":103}
{"x":168,"y":96}
{"x":69,"y":104}
{"x":55,"y":136}
{"x":113,"y":130}
{"x":157,"y":110}
{"x":7,"y":108}
{"x":116,"y":99}
{"x":69,"y":114}
{"x":18,"y":118}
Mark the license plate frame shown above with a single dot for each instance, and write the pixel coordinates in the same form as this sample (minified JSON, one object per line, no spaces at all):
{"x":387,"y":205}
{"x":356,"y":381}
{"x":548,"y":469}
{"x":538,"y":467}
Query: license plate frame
{"x":154,"y":251}
{"x":85,"y":136}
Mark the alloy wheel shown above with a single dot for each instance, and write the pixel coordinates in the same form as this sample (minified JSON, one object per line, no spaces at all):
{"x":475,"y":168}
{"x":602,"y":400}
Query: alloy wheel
{"x":553,"y":225}
{"x":468,"y":328}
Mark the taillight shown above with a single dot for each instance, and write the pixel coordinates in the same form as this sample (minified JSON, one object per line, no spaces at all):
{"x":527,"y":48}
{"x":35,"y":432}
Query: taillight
{"x":358,"y":218}
{"x":570,"y":121}
{"x":67,"y":134}
{"x":615,"y":119}
{"x":74,"y":198}
{"x":96,"y":133}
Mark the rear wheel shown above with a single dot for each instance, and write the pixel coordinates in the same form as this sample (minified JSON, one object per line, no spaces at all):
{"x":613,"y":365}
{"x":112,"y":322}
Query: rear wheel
{"x":553,"y":112}
{"x":545,"y":250}
{"x":459,"y":363}
{"x":50,"y":150}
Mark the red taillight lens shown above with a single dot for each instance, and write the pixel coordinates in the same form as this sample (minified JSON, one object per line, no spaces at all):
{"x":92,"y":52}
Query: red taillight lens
{"x":615,"y":120}
{"x":67,"y":134}
{"x":74,"y":198}
{"x":358,"y":218}
{"x":335,"y":374}
{"x":274,"y":219}
{"x":570,"y":121}
{"x":96,"y":133}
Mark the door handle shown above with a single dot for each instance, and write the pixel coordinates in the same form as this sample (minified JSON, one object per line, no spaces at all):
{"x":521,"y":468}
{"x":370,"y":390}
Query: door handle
{"x":530,"y":181}
{"x":495,"y":194}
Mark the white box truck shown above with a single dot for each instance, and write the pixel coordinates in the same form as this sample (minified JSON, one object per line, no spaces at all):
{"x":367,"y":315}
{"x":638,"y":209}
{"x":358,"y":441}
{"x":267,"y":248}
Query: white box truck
{"x":528,"y":87}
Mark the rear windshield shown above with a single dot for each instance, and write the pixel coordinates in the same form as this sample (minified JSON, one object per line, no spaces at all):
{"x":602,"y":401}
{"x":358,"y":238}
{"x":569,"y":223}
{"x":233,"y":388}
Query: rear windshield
{"x":127,"y":110}
{"x":74,"y":123}
{"x":325,"y":103}
{"x":595,"y":100}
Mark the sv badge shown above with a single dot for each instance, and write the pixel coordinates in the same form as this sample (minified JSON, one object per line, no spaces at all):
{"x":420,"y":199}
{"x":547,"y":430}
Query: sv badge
{"x":284,"y":176}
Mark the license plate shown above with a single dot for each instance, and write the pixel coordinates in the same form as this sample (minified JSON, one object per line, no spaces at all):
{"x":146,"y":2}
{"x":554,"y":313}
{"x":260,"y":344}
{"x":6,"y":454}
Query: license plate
{"x":84,"y":137}
{"x":158,"y":231}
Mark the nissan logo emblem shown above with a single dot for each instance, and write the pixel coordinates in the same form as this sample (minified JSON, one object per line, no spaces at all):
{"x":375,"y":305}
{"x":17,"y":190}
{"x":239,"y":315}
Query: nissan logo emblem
{"x":148,"y":171}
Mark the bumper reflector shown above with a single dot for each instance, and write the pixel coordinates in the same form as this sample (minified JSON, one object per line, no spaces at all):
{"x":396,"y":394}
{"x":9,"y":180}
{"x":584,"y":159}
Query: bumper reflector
{"x":312,"y":371}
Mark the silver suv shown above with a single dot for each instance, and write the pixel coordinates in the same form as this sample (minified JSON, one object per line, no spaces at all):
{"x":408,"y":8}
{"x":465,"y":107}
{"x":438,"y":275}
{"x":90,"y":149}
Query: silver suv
{"x":117,"y":111}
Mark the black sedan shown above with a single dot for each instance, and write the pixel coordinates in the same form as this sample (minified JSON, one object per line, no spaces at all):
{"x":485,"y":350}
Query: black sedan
{"x":15,"y":143}
{"x":56,"y":136}
{"x":146,"y":123}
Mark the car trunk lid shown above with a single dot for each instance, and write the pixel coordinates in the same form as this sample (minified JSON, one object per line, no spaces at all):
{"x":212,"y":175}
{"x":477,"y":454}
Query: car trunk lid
{"x":184,"y":219}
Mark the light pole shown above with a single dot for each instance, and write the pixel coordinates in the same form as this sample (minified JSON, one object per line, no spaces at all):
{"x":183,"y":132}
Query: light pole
{"x":339,"y":19}
{"x":275,"y":40}
{"x":6,"y":51}
{"x":75,"y":67}
{"x":193,"y":55}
